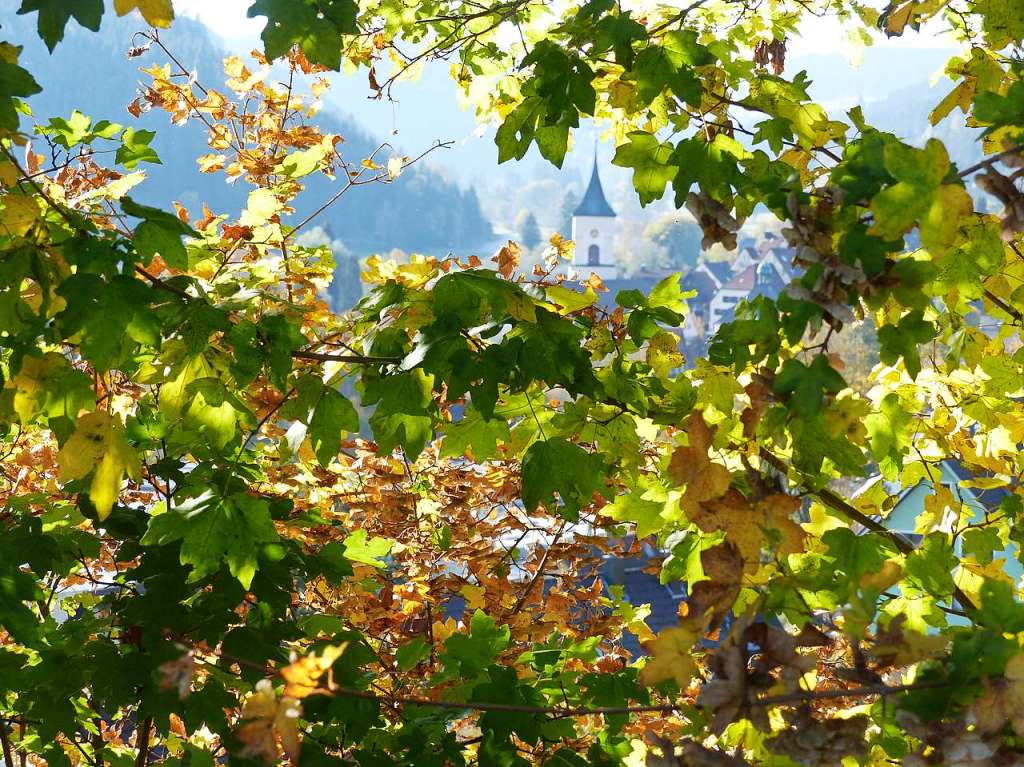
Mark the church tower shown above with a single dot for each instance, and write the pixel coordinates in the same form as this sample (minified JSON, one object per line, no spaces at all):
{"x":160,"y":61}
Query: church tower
{"x":593,"y":231}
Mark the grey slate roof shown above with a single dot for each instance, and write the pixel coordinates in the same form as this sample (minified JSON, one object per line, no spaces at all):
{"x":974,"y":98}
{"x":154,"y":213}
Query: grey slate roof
{"x":594,"y":202}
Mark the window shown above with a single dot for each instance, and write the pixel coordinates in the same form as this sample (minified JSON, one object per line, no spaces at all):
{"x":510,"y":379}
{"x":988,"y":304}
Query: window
{"x":676,"y":589}
{"x":593,"y":255}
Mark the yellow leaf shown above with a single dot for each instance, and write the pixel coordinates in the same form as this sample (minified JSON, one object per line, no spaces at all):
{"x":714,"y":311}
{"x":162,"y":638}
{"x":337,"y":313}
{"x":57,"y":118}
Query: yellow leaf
{"x":879,"y":581}
{"x":263,"y":715}
{"x":671,"y":657}
{"x":8,"y":173}
{"x":158,"y":13}
{"x":99,"y":446}
{"x":303,"y":676}
{"x":17,"y":214}
{"x":663,"y":354}
{"x":474,"y":596}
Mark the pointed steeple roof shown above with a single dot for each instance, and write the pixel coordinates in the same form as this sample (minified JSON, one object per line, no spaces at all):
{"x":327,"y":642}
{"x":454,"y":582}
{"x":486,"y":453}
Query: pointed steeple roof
{"x":594,"y":202}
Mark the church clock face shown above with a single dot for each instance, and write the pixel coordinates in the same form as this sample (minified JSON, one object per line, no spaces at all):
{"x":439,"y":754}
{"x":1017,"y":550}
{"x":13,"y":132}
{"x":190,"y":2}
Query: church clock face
{"x":594,"y":233}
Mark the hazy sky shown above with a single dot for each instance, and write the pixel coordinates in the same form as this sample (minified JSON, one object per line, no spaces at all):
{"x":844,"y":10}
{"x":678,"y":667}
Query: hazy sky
{"x":428,"y":109}
{"x":228,"y":19}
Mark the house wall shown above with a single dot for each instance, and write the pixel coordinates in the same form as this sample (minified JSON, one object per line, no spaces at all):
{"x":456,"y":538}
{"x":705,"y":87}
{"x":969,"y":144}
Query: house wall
{"x":596,"y":231}
{"x":724,"y":300}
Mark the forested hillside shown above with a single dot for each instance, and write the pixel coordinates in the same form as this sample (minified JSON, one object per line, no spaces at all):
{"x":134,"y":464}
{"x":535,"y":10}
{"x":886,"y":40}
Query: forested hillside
{"x":420,"y":211}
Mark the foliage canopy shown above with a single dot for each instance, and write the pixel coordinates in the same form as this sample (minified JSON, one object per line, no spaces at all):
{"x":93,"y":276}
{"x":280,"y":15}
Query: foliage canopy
{"x":203,"y":559}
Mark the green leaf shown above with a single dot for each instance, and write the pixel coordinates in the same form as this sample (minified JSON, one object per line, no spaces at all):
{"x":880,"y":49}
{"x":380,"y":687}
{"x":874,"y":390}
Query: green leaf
{"x":409,"y":655}
{"x":981,"y":543}
{"x":48,"y":386}
{"x":135,"y":148}
{"x":650,"y":161}
{"x":367,"y":551}
{"x":920,"y":196}
{"x":55,"y":14}
{"x":558,"y":466}
{"x":808,"y":384}
{"x":931,"y":565}
{"x":633,"y":507}
{"x":159,"y":233}
{"x":332,"y":415}
{"x":474,"y":433}
{"x":77,"y":129}
{"x":568,"y":300}
{"x":212,"y":530}
{"x":15,"y":83}
{"x":401,"y":416}
{"x":902,"y":340}
{"x":712,"y":164}
{"x":775,"y":131}
{"x":468,"y":655}
{"x":316,"y":26}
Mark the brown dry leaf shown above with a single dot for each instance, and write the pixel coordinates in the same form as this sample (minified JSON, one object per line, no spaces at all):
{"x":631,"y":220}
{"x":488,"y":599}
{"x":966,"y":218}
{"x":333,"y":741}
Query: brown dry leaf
{"x":508,"y":258}
{"x":732,"y":514}
{"x":1003,"y":700}
{"x":715,"y":597}
{"x":760,"y":398}
{"x":777,"y":511}
{"x":690,"y":465}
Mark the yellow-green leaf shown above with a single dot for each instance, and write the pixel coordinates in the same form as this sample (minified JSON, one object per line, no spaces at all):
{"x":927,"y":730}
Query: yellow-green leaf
{"x":99,"y":447}
{"x":159,"y":13}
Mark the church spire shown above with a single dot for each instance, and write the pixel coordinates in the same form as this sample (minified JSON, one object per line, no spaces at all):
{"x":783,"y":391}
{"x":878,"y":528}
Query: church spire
{"x":594,"y":202}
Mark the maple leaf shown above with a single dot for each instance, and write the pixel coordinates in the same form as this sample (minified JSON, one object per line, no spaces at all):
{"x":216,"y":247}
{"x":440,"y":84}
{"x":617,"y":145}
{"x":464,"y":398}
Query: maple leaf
{"x":157,"y":13}
{"x":49,"y":386}
{"x":507,"y":258}
{"x":54,"y":16}
{"x":99,"y":447}
{"x":1003,"y":699}
{"x":302,"y":676}
{"x":663,"y":354}
{"x":710,"y":600}
{"x":778,"y":510}
{"x":732,"y":514}
{"x":17,"y":215}
{"x":671,"y":657}
{"x":263,"y":716}
{"x":690,"y":465}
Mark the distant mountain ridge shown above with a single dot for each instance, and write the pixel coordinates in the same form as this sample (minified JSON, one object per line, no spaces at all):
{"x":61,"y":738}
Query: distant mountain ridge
{"x":421,"y":211}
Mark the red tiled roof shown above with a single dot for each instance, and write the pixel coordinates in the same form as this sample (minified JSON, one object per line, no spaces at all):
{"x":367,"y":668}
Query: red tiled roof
{"x":744,"y":280}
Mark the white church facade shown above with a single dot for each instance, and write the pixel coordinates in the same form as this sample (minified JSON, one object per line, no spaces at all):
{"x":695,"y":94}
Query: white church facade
{"x":593,"y":231}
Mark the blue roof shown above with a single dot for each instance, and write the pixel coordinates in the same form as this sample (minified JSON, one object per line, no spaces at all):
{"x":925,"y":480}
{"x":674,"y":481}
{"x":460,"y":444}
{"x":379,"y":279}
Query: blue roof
{"x":593,"y":202}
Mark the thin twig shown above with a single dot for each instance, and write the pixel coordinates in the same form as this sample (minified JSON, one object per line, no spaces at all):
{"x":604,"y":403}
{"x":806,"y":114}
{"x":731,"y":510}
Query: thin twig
{"x":143,"y":756}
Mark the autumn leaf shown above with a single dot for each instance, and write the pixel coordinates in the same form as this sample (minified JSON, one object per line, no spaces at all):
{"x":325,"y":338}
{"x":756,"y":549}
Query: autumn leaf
{"x":157,"y":13}
{"x":671,"y":657}
{"x":302,"y":676}
{"x":778,"y":511}
{"x":265,"y":716}
{"x":17,"y":215}
{"x":507,"y":258}
{"x":690,"y":465}
{"x":732,"y":514}
{"x":99,"y":447}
